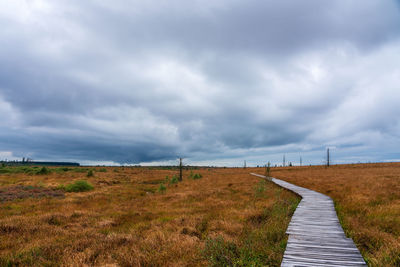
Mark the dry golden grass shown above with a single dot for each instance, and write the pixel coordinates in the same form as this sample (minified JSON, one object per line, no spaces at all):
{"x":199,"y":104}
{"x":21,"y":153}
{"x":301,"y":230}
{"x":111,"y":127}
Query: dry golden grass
{"x":124,"y":221}
{"x":367,"y":198}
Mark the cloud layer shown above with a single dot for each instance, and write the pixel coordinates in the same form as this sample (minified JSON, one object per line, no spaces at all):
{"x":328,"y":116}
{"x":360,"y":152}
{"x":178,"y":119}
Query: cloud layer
{"x":216,"y":82}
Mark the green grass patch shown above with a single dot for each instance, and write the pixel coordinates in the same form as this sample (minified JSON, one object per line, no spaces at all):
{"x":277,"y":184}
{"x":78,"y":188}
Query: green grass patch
{"x":43,"y":171}
{"x":78,"y":186}
{"x":195,"y":176}
{"x":35,"y":170}
{"x":162,"y":188}
{"x":174,"y":180}
{"x":62,"y":169}
{"x":219,"y":252}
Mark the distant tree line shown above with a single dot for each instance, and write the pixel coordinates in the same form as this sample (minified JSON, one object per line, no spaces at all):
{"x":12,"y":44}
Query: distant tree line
{"x":28,"y":161}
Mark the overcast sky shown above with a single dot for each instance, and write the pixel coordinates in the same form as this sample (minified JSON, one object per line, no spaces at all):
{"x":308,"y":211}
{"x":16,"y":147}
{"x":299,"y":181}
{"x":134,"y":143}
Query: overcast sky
{"x":216,"y":82}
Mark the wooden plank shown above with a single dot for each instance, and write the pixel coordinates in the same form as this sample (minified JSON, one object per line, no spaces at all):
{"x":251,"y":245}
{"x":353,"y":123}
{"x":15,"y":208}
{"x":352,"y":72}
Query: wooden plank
{"x":316,"y":237}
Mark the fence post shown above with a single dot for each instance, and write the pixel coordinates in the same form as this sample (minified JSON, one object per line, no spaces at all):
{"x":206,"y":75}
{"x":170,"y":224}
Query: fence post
{"x":180,"y":169}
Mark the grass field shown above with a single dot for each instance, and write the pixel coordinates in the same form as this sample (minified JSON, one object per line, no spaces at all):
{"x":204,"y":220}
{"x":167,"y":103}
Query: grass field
{"x":367,"y":199}
{"x":138,"y":217}
{"x":216,"y":217}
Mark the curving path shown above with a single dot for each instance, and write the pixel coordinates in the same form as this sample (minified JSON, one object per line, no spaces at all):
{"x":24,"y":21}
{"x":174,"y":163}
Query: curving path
{"x":316,"y":237}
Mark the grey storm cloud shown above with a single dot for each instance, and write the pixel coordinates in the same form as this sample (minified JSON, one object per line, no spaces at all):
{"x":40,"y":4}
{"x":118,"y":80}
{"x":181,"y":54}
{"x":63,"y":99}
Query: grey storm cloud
{"x":213,"y":81}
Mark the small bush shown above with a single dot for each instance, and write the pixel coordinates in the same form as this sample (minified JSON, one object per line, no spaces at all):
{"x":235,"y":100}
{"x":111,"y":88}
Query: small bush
{"x":174,"y":180}
{"x":61,"y":169}
{"x":5,"y":170}
{"x":194,"y":176}
{"x":162,"y":188}
{"x":90,"y":173}
{"x":102,"y":170}
{"x":197,"y":176}
{"x":24,"y":169}
{"x":43,"y":171}
{"x":79,"y":186}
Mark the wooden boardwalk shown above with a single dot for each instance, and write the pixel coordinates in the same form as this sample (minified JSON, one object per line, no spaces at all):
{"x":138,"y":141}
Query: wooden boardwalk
{"x":316,"y":237}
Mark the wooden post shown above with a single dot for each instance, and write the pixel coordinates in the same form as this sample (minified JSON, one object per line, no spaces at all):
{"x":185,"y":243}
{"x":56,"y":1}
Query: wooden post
{"x":327,"y":157}
{"x":301,"y":161}
{"x":284,"y":160}
{"x":244,"y":165}
{"x":180,"y":169}
{"x":268,"y":169}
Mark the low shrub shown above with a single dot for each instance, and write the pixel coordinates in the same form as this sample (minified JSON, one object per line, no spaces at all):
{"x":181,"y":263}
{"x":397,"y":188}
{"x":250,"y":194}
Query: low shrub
{"x":162,"y":188}
{"x":4,"y":170}
{"x":23,"y":169}
{"x":174,"y":180}
{"x":62,"y":169}
{"x":90,"y":173}
{"x":43,"y":171}
{"x":79,"y":186}
{"x":195,"y":176}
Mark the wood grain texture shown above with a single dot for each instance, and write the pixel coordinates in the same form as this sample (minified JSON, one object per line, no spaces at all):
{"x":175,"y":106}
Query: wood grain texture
{"x":316,"y":237}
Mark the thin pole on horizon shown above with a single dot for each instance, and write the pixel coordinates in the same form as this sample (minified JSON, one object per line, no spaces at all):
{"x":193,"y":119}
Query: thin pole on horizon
{"x":180,"y":169}
{"x":327,"y":157}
